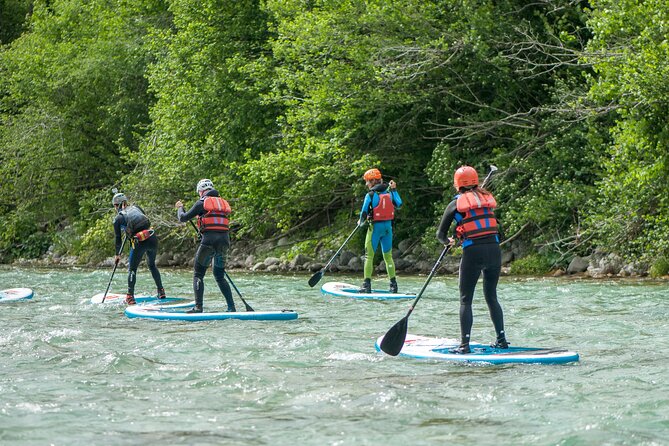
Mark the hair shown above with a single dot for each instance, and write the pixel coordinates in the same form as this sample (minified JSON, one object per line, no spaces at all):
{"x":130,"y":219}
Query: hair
{"x":475,"y":188}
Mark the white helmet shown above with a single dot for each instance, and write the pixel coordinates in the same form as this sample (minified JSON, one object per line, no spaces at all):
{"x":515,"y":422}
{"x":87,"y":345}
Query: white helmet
{"x":204,"y":184}
{"x":119,"y":198}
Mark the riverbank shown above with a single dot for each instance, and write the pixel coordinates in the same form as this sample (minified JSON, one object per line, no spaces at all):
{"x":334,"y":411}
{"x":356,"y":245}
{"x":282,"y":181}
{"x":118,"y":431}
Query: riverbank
{"x":410,"y":258}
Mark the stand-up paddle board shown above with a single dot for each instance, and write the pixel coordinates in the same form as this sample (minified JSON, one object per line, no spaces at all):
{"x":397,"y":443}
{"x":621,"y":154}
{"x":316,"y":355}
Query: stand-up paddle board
{"x":422,"y":347}
{"x":116,"y":298}
{"x":171,"y":313}
{"x":340,"y":289}
{"x":15,"y":294}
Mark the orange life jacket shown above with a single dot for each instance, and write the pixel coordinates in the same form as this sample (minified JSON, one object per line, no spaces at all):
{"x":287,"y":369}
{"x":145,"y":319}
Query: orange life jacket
{"x":216,"y":217}
{"x":385,"y":209}
{"x":478,"y":215}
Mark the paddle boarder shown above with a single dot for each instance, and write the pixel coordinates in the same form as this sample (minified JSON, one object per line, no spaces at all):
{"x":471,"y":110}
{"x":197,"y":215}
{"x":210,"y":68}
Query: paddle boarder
{"x":477,"y":230}
{"x":212,"y":214}
{"x":132,"y":220}
{"x":378,"y":209}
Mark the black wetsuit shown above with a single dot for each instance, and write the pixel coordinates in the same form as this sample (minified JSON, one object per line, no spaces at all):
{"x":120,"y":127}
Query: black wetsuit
{"x":137,"y":251}
{"x":213,"y":245}
{"x":479,"y":255}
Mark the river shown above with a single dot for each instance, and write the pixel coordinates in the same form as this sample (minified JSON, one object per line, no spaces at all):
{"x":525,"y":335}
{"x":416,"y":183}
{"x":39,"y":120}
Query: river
{"x":75,"y":373}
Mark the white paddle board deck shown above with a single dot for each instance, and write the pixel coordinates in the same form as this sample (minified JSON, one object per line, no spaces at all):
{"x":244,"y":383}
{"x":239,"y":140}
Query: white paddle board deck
{"x":422,"y":347}
{"x":117,"y":298}
{"x":340,"y":289}
{"x":172,"y":313}
{"x":15,"y":295}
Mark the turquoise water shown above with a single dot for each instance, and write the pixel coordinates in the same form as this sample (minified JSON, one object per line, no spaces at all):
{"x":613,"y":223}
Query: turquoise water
{"x":73,"y":373}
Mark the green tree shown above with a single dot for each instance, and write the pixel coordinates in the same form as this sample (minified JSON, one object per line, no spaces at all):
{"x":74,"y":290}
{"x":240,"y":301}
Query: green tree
{"x":73,"y":96}
{"x":630,"y":53}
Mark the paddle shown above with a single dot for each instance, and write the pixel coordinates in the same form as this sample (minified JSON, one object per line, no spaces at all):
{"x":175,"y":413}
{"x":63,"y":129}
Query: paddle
{"x":393,"y":341}
{"x":199,"y":237}
{"x":248,"y":307}
{"x":114,"y":270}
{"x":317,"y":277}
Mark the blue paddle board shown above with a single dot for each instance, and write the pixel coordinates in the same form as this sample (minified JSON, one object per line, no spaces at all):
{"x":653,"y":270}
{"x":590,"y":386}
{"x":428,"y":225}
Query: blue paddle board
{"x":422,"y":347}
{"x":340,"y":289}
{"x":15,"y":295}
{"x":172,"y":313}
{"x":117,"y":299}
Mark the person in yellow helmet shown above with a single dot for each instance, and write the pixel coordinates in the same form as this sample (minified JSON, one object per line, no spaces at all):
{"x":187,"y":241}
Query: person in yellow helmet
{"x":378,"y":209}
{"x":476,"y":228}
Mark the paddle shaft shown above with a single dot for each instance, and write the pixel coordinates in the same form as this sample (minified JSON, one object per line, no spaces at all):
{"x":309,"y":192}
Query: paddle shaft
{"x":116,"y":262}
{"x":316,"y":277}
{"x":341,"y":247}
{"x":429,"y":278}
{"x":248,"y":307}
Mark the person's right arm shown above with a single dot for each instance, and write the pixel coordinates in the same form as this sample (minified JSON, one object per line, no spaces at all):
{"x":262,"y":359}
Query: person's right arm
{"x":194,"y":211}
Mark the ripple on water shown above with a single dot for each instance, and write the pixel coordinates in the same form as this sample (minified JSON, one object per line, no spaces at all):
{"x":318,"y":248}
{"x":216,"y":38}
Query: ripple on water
{"x":76,"y":373}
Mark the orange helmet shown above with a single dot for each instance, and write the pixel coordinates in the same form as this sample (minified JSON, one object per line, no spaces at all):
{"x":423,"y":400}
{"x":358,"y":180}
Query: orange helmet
{"x":372,"y":174}
{"x":465,"y":176}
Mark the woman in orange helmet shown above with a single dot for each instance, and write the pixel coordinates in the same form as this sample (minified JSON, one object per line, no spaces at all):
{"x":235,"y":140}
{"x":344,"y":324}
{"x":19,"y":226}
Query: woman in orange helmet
{"x":477,"y":230}
{"x":378,"y":209}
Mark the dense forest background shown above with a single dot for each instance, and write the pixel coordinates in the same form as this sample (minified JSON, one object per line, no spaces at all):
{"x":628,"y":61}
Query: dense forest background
{"x":285,"y":103}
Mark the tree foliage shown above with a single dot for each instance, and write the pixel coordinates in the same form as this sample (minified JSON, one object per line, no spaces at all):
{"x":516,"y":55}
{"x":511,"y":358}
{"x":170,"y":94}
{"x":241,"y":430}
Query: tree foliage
{"x":285,"y":103}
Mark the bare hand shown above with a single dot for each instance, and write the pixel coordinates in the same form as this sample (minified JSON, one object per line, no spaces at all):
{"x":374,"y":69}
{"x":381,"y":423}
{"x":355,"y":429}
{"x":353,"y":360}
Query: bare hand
{"x":117,"y":258}
{"x":392,"y":184}
{"x":178,"y":204}
{"x":451,"y":241}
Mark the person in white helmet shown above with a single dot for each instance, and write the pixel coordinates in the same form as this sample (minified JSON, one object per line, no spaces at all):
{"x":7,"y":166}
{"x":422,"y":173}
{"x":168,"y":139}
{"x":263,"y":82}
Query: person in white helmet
{"x":132,"y":221}
{"x":213,"y":214}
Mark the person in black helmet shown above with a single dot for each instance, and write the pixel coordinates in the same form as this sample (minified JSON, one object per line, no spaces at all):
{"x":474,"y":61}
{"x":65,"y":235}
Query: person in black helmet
{"x":212,"y":214}
{"x":132,"y":221}
{"x":476,"y":227}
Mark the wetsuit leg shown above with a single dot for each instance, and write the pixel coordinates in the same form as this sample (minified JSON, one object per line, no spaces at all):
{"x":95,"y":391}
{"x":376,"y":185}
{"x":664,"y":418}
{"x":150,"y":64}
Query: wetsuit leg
{"x":135,"y":256}
{"x":470,"y":270}
{"x":491,"y":273}
{"x":219,"y":272}
{"x":370,"y":248}
{"x":151,"y":251}
{"x":386,"y":239}
{"x":203,"y":258}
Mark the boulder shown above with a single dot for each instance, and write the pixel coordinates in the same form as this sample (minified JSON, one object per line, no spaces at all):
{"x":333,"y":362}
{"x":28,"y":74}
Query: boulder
{"x":404,"y":246}
{"x":578,"y":265}
{"x":315,"y":266}
{"x":299,"y":261}
{"x":260,"y":266}
{"x":269,"y":261}
{"x":345,"y":257}
{"x":163,"y":259}
{"x":356,"y":264}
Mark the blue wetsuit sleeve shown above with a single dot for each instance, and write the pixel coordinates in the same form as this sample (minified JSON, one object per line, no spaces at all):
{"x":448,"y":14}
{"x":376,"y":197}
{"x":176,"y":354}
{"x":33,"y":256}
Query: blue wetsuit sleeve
{"x":397,"y":201}
{"x":194,"y":211}
{"x":446,"y":221}
{"x":365,"y":207}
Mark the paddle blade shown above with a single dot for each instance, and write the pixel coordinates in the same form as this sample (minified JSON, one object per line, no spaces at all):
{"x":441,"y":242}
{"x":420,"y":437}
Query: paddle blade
{"x":315,"y":278}
{"x":393,"y":341}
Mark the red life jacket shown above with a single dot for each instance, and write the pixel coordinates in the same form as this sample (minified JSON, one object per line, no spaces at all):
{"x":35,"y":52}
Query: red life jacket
{"x":216,"y":217}
{"x":478,"y":215}
{"x":385,"y":209}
